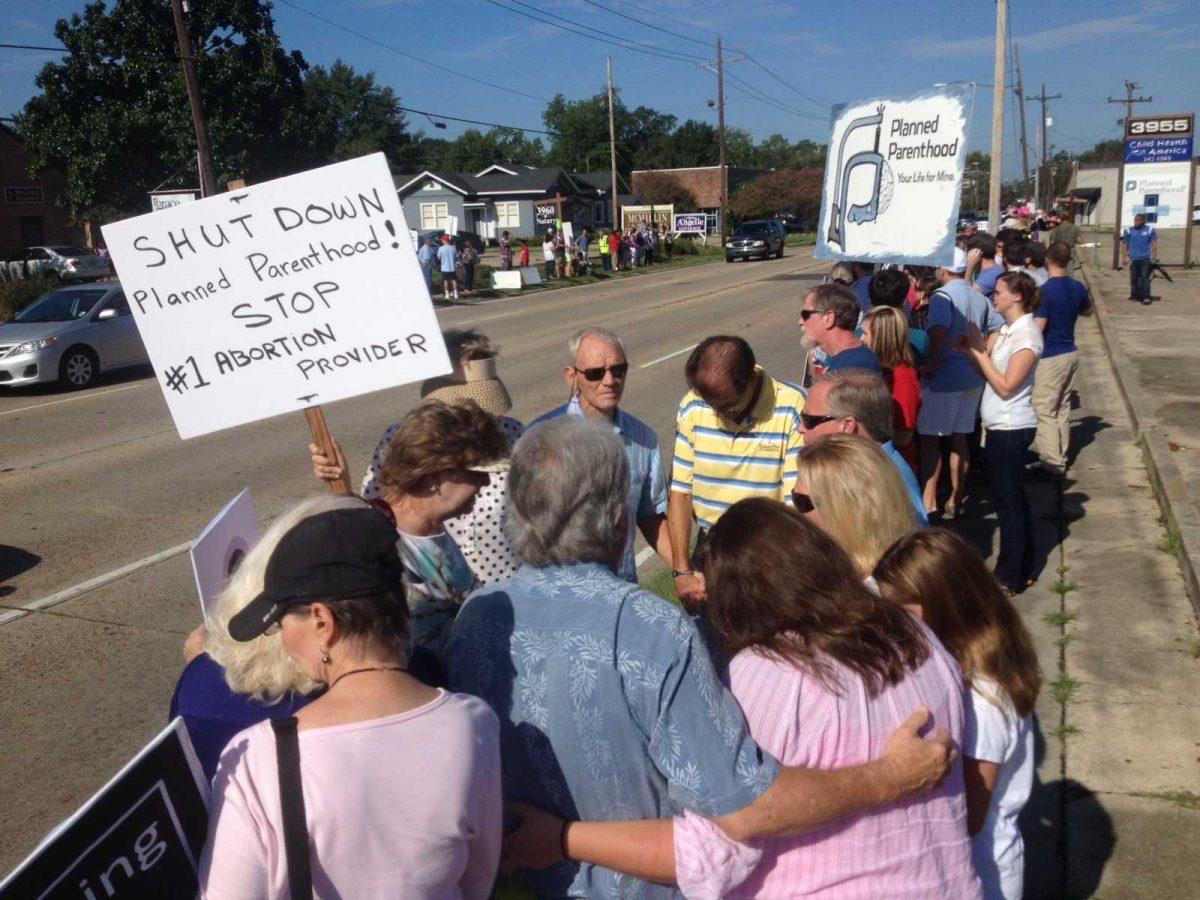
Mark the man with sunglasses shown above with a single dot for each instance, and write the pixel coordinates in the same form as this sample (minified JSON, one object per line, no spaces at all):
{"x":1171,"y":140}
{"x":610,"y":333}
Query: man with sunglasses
{"x":736,"y":436}
{"x":596,"y":376}
{"x":829,"y":318}
{"x":855,"y":401}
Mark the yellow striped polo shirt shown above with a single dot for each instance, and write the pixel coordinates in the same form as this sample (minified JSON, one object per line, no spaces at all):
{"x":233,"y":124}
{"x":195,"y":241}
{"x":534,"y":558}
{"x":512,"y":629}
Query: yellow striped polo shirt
{"x":719,"y":462}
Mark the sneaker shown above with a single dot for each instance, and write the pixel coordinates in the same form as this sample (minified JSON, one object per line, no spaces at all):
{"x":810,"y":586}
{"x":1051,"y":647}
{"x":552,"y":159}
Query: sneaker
{"x":1146,"y":301}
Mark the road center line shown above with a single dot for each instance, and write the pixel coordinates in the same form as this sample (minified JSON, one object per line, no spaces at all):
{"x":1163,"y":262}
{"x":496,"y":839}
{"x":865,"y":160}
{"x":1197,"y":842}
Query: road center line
{"x":92,"y":583}
{"x":655,"y":362}
{"x":13,"y":412}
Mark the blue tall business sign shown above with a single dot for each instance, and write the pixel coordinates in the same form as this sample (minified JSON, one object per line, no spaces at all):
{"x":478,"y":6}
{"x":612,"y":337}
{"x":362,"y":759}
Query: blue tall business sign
{"x":1150,"y":139}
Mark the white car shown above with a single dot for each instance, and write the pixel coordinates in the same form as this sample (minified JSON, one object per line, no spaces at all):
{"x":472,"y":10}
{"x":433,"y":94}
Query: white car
{"x":70,"y":335}
{"x":66,"y":262}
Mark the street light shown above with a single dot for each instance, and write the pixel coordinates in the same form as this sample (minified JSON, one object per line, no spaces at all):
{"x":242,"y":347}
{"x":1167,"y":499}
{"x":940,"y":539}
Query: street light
{"x":435,"y":122}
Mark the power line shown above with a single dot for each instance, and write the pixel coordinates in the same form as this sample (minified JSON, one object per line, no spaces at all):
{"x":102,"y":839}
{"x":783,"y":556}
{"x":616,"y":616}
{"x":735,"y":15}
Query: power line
{"x":431,"y":115}
{"x":790,"y":87}
{"x":754,"y":92}
{"x":670,"y":19}
{"x":633,"y":18}
{"x":33,"y":47}
{"x":405,"y":53}
{"x":584,"y":31}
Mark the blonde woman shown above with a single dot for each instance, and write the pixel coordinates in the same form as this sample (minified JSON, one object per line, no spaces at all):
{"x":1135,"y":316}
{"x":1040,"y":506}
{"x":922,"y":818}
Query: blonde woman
{"x":231,"y":685}
{"x":935,"y":574}
{"x":324,"y":603}
{"x":847,"y":485}
{"x":885,"y":331}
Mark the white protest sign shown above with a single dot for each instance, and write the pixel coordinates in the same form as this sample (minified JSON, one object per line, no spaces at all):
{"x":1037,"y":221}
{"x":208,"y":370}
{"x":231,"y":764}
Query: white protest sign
{"x":140,"y":835}
{"x":531,"y":275}
{"x":568,"y":229}
{"x":279,"y":296}
{"x":452,"y":225}
{"x":415,"y":236}
{"x":893,"y":176}
{"x":222,"y":545}
{"x":506,"y":280}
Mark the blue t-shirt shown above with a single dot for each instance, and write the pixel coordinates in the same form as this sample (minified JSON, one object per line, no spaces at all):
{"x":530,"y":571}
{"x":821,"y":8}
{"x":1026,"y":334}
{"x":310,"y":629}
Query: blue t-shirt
{"x":1138,"y":240}
{"x":918,"y":340}
{"x":910,"y":481}
{"x":860,"y":357}
{"x":213,"y":713}
{"x":1063,"y":299}
{"x":986,"y":281}
{"x":863,"y":292}
{"x":448,"y":256}
{"x":951,"y":307}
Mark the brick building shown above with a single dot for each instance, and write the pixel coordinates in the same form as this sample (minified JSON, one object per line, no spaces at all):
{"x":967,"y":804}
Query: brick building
{"x":28,"y":213}
{"x":703,"y":183}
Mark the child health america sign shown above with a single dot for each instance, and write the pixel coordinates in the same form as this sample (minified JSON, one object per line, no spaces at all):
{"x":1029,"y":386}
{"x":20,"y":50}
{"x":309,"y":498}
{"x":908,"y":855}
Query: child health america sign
{"x":893,"y":176}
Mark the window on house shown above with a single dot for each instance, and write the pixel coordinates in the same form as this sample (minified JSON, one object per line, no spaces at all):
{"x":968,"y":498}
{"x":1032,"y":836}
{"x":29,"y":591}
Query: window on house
{"x":433,"y":215}
{"x":508,"y":214}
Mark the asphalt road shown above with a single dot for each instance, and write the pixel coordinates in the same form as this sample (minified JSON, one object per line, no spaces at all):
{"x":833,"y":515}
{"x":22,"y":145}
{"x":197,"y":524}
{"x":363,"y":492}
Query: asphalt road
{"x":99,"y":497}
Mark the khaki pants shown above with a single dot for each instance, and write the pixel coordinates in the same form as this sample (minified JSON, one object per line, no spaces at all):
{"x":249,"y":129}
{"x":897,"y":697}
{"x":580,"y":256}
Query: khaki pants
{"x":1052,"y":403}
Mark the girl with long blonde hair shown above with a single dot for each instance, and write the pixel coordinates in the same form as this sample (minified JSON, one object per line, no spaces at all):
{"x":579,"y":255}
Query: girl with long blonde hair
{"x":885,"y":331}
{"x":938,"y":576}
{"x":849,"y":486}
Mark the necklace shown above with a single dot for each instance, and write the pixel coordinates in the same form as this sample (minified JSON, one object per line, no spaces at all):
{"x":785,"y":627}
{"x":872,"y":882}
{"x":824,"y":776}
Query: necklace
{"x":333,"y":683}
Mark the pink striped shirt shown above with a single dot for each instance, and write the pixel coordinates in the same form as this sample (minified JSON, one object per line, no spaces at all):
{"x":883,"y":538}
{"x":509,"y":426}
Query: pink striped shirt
{"x":914,"y":849}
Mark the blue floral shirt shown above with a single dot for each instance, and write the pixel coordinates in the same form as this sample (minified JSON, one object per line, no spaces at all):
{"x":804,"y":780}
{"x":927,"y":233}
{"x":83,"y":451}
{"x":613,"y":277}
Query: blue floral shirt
{"x":609,"y":706}
{"x":647,"y":485}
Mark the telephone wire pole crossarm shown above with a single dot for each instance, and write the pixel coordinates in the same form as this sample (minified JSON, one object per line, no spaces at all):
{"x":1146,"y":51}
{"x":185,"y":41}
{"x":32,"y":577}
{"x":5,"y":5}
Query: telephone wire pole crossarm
{"x":718,"y":66}
{"x":1129,"y":100}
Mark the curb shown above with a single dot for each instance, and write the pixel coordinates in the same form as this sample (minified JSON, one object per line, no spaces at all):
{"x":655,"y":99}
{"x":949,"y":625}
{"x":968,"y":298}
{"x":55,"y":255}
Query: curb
{"x":1168,"y":483}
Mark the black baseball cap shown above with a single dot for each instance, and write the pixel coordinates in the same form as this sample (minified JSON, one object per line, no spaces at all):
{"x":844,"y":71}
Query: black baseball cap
{"x":342,"y":554}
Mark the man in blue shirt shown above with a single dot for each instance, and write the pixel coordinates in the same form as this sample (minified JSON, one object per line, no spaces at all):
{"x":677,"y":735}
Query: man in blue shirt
{"x":1139,"y":245}
{"x":982,"y":247}
{"x":1063,"y":300}
{"x":596,"y":378}
{"x":829,"y":318}
{"x":609,"y":705}
{"x":448,"y":259}
{"x":951,"y":389}
{"x":425,"y":256}
{"x":855,"y":401}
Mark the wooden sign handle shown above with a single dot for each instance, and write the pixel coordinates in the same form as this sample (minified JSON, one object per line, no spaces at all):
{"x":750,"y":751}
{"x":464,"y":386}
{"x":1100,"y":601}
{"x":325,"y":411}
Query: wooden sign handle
{"x":324,"y":440}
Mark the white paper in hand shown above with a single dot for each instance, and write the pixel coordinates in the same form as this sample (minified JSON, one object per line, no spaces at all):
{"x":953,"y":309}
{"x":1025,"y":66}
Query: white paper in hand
{"x":222,"y":545}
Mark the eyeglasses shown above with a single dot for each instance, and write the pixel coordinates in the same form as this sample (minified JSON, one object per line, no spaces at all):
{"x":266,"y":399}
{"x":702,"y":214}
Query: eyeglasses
{"x":802,"y":502}
{"x":811,"y":421}
{"x":596,"y":373}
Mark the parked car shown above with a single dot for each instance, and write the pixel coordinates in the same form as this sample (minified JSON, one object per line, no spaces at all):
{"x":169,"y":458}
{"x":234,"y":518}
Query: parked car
{"x":760,"y":237}
{"x":461,"y":238}
{"x":67,"y":263}
{"x":70,"y":335}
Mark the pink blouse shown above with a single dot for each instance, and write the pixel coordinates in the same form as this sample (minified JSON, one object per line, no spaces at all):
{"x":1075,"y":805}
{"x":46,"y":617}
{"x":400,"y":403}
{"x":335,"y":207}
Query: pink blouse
{"x":401,"y":806}
{"x":913,"y":849}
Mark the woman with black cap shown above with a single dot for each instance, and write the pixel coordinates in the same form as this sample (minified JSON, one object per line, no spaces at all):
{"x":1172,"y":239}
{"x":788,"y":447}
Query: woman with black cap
{"x":382,"y":787}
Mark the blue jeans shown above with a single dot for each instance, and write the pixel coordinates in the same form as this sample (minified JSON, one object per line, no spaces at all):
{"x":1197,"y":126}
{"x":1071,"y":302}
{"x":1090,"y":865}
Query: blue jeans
{"x":1004,"y":456}
{"x":1139,"y":279}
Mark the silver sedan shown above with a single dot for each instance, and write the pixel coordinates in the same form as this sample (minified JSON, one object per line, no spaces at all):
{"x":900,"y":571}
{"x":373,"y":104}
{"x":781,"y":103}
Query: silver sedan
{"x":70,"y":335}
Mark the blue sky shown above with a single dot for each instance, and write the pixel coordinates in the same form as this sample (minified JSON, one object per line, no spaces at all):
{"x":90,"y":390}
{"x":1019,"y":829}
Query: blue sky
{"x":1083,"y":49}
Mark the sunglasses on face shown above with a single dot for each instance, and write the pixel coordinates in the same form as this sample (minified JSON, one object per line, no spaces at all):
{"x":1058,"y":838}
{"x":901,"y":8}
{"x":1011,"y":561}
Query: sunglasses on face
{"x":802,"y":502}
{"x":811,"y":421}
{"x":596,"y":373}
{"x":806,"y":314}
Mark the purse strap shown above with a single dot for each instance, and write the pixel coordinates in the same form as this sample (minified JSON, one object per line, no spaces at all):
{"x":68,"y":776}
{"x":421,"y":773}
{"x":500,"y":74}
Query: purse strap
{"x":291,"y":802}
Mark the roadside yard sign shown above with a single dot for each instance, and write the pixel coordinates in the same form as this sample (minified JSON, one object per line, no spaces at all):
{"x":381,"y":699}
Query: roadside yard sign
{"x":222,"y":546}
{"x":141,"y":835}
{"x":279,"y":296}
{"x":893,"y":178}
{"x":690,"y":223}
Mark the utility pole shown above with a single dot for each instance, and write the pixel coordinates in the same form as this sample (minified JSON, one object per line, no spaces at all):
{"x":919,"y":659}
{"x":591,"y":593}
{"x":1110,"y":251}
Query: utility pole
{"x":208,"y":176}
{"x":1020,"y":92}
{"x":1129,"y":100}
{"x":997,"y":116}
{"x":1048,"y":181}
{"x":612,"y":142}
{"x":719,"y":68}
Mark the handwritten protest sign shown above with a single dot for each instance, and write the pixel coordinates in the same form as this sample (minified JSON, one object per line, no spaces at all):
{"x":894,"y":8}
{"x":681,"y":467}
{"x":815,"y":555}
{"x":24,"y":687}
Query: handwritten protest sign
{"x":222,"y":545}
{"x":893,"y":177}
{"x":141,"y":835}
{"x":279,"y":296}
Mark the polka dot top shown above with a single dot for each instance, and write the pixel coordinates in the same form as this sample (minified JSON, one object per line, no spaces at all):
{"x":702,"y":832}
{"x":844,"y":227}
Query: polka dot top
{"x":480,"y":532}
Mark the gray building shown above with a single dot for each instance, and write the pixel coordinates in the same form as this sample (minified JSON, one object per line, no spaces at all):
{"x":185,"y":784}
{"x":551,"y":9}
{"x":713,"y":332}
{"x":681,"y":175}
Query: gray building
{"x":1095,"y":186}
{"x":522,"y":200}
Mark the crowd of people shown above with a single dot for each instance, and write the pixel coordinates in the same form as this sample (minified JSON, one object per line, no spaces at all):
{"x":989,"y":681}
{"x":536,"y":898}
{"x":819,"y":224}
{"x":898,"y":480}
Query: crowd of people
{"x":457,"y":673}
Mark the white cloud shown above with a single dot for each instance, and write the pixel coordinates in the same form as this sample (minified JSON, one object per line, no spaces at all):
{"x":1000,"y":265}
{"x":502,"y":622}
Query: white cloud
{"x":1047,"y":39}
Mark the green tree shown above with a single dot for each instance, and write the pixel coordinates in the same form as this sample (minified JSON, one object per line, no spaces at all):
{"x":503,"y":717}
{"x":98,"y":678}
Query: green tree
{"x":1105,"y":151}
{"x":350,"y":115}
{"x":794,"y":192}
{"x":695,"y":144}
{"x":114,"y":115}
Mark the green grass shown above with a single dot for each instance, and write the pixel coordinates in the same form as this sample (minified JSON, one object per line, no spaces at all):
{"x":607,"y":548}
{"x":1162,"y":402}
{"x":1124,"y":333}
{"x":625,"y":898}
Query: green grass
{"x":1063,"y":689}
{"x":1171,"y":542}
{"x":1194,"y":648}
{"x":1062,"y":732}
{"x":1140,"y":441}
{"x":803,"y":239}
{"x":662,"y":584}
{"x":1060,"y":619}
{"x":1062,"y":570}
{"x":1062,"y":588}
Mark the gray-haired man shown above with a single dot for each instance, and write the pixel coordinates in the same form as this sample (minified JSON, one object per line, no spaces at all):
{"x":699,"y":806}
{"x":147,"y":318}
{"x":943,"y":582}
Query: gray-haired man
{"x":609,"y":704}
{"x":596,"y":376}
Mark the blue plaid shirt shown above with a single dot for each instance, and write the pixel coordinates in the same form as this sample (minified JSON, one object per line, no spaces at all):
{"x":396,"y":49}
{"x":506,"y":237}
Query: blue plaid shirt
{"x":609,"y":708}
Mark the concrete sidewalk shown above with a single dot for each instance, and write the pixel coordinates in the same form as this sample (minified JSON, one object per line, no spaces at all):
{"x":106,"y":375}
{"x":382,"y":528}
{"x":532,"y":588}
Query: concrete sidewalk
{"x":1115,"y":811}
